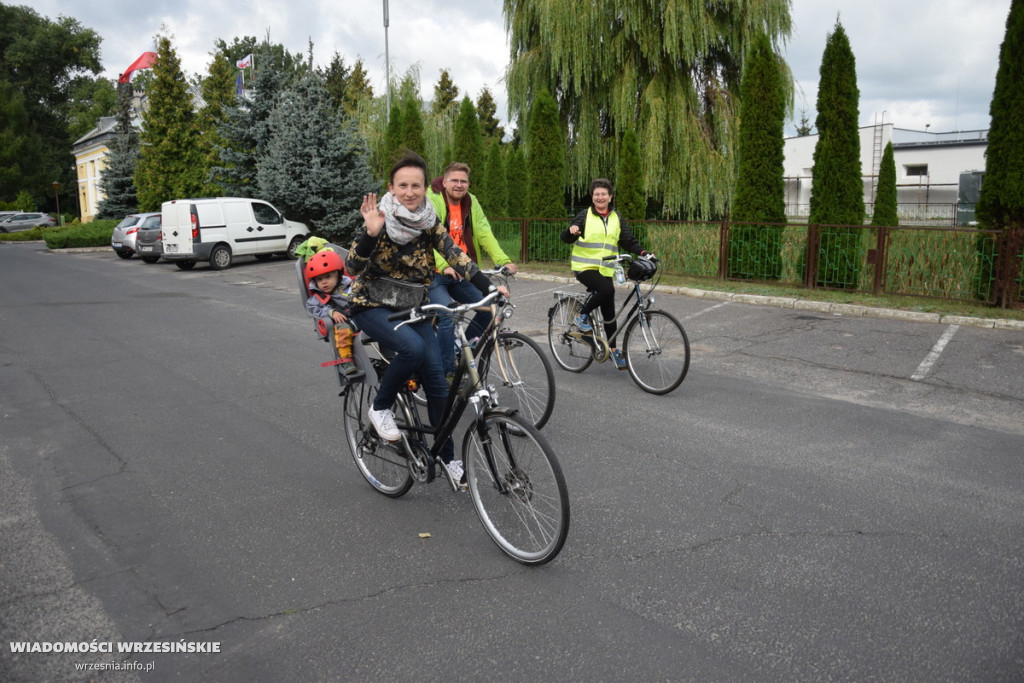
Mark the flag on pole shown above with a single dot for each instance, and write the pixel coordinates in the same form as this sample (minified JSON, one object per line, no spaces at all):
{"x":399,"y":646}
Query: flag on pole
{"x":145,"y":61}
{"x":244,"y":62}
{"x":240,"y":84}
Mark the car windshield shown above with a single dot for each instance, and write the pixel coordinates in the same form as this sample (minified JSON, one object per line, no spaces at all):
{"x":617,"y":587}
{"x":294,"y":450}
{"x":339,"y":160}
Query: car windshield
{"x":151,"y":222}
{"x":128,"y":222}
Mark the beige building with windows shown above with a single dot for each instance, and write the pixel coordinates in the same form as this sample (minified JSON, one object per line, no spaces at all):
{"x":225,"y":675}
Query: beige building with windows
{"x":91,"y":152}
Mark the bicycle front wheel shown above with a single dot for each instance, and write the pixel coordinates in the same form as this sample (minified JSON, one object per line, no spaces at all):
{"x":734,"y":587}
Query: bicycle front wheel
{"x":657,"y":351}
{"x":382,"y":464}
{"x":517,"y":487}
{"x":571,"y":352}
{"x":518,"y":363}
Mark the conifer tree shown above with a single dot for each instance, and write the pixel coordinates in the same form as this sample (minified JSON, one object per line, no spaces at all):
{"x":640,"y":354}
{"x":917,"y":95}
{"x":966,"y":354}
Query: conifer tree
{"x":467,"y":146}
{"x":219,"y":91}
{"x":490,"y":184}
{"x":885,"y":194}
{"x":630,"y":198}
{"x":545,"y":162}
{"x":316,"y":168}
{"x":755,"y":251}
{"x":244,"y":126}
{"x":118,"y":182}
{"x":1001,"y":204}
{"x":485,"y":112}
{"x":170,"y":163}
{"x":516,"y":182}
{"x":837,"y":189}
{"x":445,"y":93}
{"x":412,"y":124}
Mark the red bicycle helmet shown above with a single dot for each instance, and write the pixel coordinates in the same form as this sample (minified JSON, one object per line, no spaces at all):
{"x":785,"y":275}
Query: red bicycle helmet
{"x":323,"y":262}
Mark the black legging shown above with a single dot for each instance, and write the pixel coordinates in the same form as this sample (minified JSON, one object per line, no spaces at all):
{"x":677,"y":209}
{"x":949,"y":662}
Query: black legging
{"x":602,"y":294}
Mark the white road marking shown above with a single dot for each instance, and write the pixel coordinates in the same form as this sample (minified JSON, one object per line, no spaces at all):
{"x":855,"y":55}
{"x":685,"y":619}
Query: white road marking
{"x":926,"y":365}
{"x":706,"y":310}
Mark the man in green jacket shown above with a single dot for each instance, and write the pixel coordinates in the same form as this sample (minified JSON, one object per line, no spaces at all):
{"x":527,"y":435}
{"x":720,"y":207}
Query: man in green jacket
{"x":462,"y":215}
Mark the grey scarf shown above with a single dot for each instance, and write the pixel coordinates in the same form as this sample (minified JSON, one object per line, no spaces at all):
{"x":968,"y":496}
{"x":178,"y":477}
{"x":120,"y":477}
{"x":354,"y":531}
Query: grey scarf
{"x":403,"y":225}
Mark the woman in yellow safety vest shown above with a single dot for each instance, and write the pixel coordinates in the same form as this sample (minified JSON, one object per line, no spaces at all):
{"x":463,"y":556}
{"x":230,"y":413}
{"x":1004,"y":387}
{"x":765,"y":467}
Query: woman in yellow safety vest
{"x":596,"y":232}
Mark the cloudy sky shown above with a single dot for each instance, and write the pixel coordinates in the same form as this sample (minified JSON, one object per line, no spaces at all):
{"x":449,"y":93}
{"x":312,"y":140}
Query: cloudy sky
{"x":919,"y":62}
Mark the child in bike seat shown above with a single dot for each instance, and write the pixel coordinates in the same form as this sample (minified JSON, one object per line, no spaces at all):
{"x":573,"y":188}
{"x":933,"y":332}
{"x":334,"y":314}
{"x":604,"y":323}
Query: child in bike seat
{"x":328,"y":287}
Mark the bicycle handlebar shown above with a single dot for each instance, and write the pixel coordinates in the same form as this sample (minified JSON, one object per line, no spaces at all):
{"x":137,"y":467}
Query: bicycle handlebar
{"x":425,"y":311}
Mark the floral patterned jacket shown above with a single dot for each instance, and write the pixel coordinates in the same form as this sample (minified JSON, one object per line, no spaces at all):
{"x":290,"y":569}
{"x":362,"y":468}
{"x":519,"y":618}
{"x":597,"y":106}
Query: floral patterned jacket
{"x":381,"y":266}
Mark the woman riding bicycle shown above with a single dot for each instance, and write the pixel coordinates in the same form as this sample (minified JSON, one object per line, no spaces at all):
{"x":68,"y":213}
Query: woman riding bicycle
{"x":596,"y":232}
{"x":392,"y":261}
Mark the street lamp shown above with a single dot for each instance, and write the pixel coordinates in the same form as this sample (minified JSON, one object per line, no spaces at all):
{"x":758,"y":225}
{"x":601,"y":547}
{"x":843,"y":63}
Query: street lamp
{"x":387,"y":64}
{"x":56,"y":188}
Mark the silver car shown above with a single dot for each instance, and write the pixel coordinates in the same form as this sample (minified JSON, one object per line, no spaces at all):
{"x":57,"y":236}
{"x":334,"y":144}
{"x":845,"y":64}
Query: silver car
{"x":25,"y":221}
{"x":123,"y":239}
{"x":148,"y":243}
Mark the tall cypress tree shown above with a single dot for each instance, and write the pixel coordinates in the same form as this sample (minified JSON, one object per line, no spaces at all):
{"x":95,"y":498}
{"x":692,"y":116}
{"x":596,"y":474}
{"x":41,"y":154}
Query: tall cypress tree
{"x":545,"y":162}
{"x":490,"y":184}
{"x":468,"y":144}
{"x":837,"y":189}
{"x":117,"y":182}
{"x":885,"y":194}
{"x":170,"y":163}
{"x":755,"y":251}
{"x":1001,"y":204}
{"x":219,"y":92}
{"x":630,"y":198}
{"x":516,"y":182}
{"x":412,"y":124}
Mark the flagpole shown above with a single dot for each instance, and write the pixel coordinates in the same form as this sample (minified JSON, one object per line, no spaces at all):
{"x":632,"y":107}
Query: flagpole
{"x":387,"y":61}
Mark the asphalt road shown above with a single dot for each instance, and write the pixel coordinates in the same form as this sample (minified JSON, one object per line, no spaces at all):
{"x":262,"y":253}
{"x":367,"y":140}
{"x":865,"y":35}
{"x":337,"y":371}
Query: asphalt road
{"x":826,"y":497}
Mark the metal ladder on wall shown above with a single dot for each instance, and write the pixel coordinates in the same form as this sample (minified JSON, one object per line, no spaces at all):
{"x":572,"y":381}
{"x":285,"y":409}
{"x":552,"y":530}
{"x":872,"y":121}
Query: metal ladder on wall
{"x":876,"y":154}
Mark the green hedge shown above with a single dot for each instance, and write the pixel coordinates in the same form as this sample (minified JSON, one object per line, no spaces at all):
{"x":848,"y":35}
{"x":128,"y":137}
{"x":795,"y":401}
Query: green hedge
{"x":94,"y":234}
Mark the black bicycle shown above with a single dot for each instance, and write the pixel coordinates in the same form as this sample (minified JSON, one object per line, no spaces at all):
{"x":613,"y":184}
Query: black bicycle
{"x":513,"y":476}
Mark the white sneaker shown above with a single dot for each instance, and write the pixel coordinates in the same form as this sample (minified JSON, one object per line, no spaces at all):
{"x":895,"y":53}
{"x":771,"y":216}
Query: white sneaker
{"x":455,"y":469}
{"x":384,"y":422}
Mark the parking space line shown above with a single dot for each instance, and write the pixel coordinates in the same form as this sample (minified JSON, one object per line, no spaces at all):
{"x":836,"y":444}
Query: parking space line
{"x":706,"y":310}
{"x":926,"y":365}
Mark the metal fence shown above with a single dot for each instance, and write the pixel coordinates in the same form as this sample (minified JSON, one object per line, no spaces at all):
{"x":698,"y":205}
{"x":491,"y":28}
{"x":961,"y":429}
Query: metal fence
{"x":965,"y":264}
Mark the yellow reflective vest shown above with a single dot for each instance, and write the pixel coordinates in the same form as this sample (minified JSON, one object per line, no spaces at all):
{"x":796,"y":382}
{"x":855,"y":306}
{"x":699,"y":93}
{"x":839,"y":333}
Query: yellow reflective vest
{"x":600,"y":238}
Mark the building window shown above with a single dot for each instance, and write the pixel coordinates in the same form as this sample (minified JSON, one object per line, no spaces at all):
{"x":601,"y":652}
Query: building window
{"x":916,"y":169}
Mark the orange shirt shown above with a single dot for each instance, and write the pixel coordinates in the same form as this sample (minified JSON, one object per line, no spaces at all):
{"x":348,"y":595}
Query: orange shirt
{"x":455,"y":226}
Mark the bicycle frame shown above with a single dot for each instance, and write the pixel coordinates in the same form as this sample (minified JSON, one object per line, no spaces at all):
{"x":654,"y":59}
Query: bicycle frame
{"x":472,"y":392}
{"x":641,"y":301}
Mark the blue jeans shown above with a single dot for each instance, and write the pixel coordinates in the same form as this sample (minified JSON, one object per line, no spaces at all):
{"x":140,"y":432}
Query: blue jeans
{"x":416,"y":353}
{"x":443,"y":290}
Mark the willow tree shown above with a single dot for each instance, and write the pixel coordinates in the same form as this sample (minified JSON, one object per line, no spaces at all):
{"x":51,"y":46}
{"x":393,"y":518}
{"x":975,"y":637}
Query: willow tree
{"x":670,"y":70}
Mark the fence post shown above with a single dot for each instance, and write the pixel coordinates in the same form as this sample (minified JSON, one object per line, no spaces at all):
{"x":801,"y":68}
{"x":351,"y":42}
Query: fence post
{"x":811,"y":260}
{"x":877,"y":257}
{"x":524,"y":239}
{"x":723,"y":249}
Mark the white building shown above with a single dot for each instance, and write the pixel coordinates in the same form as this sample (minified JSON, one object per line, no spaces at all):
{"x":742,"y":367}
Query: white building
{"x":928,"y":168}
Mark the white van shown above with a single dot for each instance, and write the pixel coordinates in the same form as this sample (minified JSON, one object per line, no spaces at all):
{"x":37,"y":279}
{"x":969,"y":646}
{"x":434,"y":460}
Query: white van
{"x":220,"y":228}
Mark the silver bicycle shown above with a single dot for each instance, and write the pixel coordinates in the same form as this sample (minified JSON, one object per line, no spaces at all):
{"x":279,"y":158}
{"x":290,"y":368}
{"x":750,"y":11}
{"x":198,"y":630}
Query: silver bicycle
{"x":655,"y":345}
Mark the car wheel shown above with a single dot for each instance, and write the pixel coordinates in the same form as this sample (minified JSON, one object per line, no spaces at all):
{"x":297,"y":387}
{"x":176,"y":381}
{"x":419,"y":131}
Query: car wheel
{"x":125,"y":253}
{"x":185,"y":265}
{"x":150,"y":259}
{"x":293,"y":247}
{"x":220,"y":257}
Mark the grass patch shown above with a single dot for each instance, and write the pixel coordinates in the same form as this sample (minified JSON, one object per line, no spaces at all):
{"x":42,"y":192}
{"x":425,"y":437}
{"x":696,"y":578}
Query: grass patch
{"x":904,"y":303}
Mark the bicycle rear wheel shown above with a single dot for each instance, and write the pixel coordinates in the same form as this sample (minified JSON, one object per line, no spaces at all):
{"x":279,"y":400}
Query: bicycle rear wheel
{"x":382,"y":464}
{"x":657,"y":351}
{"x":517,"y":487}
{"x":570,"y":352}
{"x":524,"y":371}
